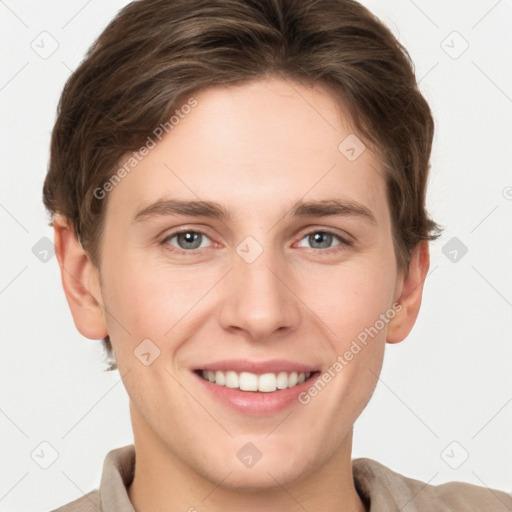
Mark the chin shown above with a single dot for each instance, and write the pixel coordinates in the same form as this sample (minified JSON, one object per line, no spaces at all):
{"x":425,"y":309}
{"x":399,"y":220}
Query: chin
{"x":247,"y":469}
{"x":261,"y":477}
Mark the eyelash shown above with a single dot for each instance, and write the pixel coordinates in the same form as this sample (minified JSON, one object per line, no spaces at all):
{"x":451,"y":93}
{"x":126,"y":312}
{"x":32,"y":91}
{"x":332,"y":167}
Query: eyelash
{"x":193,"y":252}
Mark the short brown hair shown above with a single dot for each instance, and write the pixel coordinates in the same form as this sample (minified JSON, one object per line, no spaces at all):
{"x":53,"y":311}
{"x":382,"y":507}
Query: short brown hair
{"x":156,"y":52}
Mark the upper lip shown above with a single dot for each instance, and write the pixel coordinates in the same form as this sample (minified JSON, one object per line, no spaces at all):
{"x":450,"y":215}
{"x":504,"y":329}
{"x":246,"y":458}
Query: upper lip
{"x":258,"y":367}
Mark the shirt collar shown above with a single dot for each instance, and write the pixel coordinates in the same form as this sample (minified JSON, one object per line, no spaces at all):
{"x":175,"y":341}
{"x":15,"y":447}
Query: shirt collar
{"x":117,"y":475}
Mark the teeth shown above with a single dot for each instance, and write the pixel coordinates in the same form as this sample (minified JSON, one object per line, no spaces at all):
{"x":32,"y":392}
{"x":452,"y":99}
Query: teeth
{"x":267,"y":382}
{"x":232,"y":380}
{"x":246,"y":381}
{"x":220,"y":378}
{"x":282,"y":380}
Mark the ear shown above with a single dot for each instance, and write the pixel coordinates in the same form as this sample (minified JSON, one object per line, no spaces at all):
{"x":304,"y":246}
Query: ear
{"x":80,"y":280}
{"x":408,"y":293}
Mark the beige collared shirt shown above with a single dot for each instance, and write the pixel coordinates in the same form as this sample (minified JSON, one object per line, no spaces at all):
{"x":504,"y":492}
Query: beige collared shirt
{"x":381,"y":489}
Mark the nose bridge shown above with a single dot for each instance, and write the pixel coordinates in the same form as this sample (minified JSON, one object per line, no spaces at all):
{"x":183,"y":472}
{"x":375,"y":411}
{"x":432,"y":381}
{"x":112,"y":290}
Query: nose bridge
{"x":257,"y":299}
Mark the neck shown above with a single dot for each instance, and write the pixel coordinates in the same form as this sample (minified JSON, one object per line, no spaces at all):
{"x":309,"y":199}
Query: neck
{"x":163,"y":481}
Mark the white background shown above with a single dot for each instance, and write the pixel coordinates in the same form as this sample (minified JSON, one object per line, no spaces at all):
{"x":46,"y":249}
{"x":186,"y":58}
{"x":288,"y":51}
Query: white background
{"x":451,"y":380}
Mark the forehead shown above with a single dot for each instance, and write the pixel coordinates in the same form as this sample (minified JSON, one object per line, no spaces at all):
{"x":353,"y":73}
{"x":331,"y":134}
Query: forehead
{"x":264,"y":143}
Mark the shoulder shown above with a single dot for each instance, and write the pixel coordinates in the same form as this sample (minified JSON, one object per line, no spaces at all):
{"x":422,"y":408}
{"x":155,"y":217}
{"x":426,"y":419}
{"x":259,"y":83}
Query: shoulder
{"x":379,"y":484}
{"x":117,"y":474}
{"x":87,"y":503}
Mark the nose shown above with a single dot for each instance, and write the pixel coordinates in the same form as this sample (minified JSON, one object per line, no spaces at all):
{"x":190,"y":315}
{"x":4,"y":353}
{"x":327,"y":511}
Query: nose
{"x":259,"y":297}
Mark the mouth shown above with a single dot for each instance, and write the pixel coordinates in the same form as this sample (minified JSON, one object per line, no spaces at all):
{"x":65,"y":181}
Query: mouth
{"x":255,"y":388}
{"x":262,"y":383}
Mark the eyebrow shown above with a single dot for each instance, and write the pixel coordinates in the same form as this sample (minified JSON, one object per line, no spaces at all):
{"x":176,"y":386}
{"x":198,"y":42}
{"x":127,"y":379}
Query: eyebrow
{"x":212,"y":209}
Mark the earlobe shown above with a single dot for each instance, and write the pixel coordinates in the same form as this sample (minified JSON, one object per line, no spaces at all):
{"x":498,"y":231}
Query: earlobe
{"x":410,"y":297}
{"x":80,"y":280}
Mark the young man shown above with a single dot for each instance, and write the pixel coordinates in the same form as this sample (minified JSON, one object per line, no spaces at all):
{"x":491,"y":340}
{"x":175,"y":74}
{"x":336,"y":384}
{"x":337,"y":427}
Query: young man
{"x":237,"y":190}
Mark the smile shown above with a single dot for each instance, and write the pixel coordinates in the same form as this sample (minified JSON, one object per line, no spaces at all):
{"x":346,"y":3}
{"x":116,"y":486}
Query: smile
{"x":255,"y":387}
{"x":247,"y":381}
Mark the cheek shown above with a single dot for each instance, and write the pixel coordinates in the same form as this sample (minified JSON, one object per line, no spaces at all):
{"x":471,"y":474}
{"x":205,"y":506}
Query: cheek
{"x":352,"y":306}
{"x":149,"y":300}
{"x":349,"y":297}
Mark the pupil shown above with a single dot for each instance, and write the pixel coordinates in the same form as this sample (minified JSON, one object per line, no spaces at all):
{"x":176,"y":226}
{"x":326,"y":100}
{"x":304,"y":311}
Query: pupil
{"x":317,"y":238}
{"x":190,"y":238}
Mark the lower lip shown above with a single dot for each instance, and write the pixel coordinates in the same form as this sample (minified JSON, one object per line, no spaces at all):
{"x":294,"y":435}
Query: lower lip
{"x":257,"y":403}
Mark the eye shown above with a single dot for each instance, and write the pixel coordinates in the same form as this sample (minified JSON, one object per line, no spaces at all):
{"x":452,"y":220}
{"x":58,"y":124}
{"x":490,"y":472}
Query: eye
{"x":323,"y":240}
{"x":186,"y":240}
{"x":189,"y":241}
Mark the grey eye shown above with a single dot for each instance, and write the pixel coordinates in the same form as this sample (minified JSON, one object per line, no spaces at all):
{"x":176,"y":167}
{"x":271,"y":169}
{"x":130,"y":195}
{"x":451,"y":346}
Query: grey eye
{"x":321,"y":239}
{"x":187,"y":240}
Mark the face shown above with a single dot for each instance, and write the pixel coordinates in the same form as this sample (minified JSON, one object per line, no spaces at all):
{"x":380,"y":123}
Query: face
{"x":274,"y":292}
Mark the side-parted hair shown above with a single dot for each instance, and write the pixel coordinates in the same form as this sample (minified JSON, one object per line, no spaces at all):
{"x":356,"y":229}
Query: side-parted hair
{"x":157,"y":53}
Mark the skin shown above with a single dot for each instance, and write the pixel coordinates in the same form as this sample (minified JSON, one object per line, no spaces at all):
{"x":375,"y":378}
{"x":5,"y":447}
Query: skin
{"x":255,"y":149}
